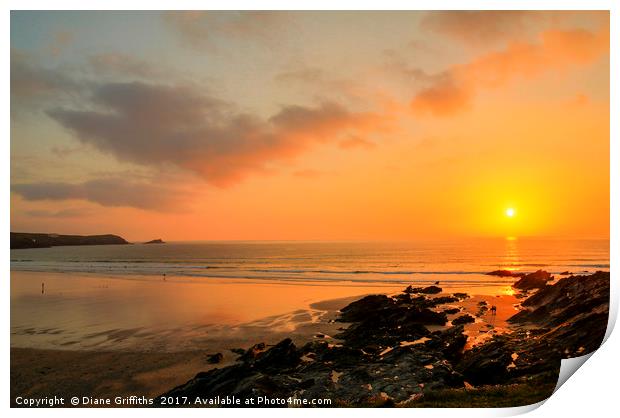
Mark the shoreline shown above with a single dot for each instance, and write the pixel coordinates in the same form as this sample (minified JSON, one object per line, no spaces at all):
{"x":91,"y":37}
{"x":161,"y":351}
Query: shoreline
{"x":482,"y":337}
{"x":173,"y":314}
{"x":160,"y":316}
{"x":481,"y":280}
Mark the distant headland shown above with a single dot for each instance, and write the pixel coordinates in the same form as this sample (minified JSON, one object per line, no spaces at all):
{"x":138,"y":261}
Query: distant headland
{"x":37,"y":240}
{"x":155,"y":241}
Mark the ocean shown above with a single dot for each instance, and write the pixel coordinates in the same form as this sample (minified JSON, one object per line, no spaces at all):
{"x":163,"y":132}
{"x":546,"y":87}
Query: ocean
{"x":452,"y":262}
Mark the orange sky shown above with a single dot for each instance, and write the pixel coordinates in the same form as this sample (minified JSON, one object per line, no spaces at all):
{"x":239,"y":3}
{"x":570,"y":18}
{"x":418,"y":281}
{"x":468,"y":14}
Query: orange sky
{"x":393,"y":125}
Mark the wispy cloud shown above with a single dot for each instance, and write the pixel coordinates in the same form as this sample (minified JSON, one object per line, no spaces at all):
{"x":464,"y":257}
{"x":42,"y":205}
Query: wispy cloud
{"x":453,"y":90}
{"x":201,"y":28}
{"x":60,"y":41}
{"x":29,"y":80}
{"x":480,"y":26}
{"x":308,"y":173}
{"x":115,"y":192}
{"x":61,"y":214}
{"x":356,"y":142}
{"x":117,"y":63}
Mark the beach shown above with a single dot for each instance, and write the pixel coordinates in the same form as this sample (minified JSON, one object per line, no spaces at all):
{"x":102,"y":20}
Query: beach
{"x":106,"y":336}
{"x":86,"y":322}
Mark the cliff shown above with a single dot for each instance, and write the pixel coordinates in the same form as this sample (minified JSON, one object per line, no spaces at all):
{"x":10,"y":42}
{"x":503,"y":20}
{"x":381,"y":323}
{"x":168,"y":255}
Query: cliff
{"x":28,"y":240}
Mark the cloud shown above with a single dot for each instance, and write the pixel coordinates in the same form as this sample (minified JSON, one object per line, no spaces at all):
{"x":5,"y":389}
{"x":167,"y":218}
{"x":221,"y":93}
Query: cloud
{"x":309,"y":75}
{"x":314,"y":77}
{"x":308,"y":173}
{"x":60,"y":41}
{"x":65,"y":213}
{"x":316,"y":81}
{"x":158,"y":125}
{"x":28,"y":80}
{"x":113,"y":192}
{"x":123,"y":64}
{"x":443,"y":98}
{"x":200,"y":27}
{"x":356,"y":142}
{"x":480,"y":26}
{"x":453,"y":90}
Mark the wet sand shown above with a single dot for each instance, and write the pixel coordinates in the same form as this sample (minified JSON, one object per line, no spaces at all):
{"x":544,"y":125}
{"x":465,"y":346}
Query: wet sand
{"x":94,"y":312}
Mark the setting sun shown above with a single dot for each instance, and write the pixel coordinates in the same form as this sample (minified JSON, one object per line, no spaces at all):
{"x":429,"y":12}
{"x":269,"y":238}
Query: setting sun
{"x":510,"y":212}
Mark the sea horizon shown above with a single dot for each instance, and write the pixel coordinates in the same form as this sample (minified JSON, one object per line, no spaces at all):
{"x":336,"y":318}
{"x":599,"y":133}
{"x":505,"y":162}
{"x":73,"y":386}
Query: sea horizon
{"x":455,"y":260}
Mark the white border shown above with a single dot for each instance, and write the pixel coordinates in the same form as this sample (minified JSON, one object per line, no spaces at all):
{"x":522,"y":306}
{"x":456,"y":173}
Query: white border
{"x":591,"y":392}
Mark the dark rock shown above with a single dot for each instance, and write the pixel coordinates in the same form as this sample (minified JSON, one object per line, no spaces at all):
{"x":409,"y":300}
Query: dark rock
{"x":536,"y":280}
{"x":451,"y":311}
{"x":252,"y":352}
{"x":427,"y":317}
{"x":486,"y":364}
{"x":504,"y":273}
{"x":576,"y":308}
{"x":449,"y":342}
{"x":389,"y":328}
{"x":315,"y":347}
{"x":215,"y":358}
{"x":463,"y":319}
{"x":441,"y":300}
{"x":482,"y":309}
{"x":430,"y":290}
{"x":358,"y":310}
{"x":403,"y":298}
{"x":566,"y":273}
{"x":283,"y":355}
{"x":459,"y":295}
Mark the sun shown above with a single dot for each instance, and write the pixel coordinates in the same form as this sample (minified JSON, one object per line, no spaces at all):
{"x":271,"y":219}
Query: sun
{"x":510,"y":212}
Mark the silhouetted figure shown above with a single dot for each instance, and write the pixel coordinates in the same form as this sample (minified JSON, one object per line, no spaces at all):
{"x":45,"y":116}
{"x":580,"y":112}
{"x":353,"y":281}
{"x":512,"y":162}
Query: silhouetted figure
{"x":493,"y":310}
{"x":42,"y":287}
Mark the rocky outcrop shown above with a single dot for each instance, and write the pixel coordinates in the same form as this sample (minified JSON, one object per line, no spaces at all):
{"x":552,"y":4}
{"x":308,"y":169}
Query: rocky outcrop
{"x":341,"y":373}
{"x":430,"y":290}
{"x":536,"y":280}
{"x":463,"y":319}
{"x":573,"y":313}
{"x":155,"y":241}
{"x":215,"y":358}
{"x":27,"y":240}
{"x":504,"y":273}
